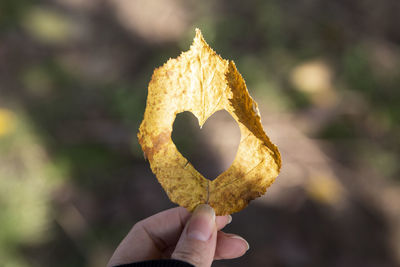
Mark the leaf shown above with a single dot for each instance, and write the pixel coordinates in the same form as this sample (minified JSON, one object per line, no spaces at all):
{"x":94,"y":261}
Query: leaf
{"x":201,"y":82}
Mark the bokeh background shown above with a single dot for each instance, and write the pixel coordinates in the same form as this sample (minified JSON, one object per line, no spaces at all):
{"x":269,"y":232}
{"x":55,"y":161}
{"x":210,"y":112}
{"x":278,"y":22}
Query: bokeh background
{"x":73,"y":85}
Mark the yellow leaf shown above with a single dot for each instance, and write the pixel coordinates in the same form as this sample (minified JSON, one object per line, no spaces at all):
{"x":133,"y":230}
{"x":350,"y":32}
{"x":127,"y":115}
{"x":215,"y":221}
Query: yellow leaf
{"x":201,"y":82}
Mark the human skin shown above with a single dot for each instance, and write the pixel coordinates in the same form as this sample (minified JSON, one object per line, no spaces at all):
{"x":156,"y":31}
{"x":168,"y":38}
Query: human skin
{"x":177,"y":234}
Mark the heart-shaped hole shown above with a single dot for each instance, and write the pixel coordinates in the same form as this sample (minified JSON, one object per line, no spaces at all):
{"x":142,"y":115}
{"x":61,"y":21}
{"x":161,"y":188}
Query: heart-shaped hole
{"x":211,"y":149}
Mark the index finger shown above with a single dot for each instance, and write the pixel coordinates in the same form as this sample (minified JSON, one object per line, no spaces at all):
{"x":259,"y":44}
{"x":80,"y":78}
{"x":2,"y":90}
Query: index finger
{"x":166,"y":227}
{"x":150,"y":238}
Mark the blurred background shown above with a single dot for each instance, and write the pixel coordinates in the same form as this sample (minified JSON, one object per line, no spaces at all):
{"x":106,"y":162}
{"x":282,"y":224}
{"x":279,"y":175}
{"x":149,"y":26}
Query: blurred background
{"x":73,"y":86}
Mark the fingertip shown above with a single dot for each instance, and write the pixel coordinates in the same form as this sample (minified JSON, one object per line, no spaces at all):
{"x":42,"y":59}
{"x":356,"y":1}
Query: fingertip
{"x":230,"y":246}
{"x":229,"y":219}
{"x":222,"y":221}
{"x":242,"y":239}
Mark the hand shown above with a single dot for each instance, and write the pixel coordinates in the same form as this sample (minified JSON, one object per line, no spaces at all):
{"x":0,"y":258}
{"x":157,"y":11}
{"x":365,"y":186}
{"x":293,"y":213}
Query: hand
{"x":177,"y":234}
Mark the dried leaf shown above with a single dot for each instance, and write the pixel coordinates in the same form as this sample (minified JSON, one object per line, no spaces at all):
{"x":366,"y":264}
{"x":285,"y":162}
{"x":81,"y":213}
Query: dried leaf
{"x":201,"y":82}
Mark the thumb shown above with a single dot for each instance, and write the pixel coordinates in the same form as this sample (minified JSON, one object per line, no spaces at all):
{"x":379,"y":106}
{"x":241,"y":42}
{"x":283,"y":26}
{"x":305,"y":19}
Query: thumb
{"x":198,"y":240}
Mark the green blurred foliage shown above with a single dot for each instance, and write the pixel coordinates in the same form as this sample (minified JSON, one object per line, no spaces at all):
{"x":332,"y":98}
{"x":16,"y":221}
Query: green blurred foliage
{"x":27,"y":177}
{"x":11,"y":13}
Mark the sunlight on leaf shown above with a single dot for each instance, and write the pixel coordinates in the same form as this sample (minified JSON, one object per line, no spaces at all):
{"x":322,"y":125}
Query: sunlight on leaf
{"x":7,"y":122}
{"x":312,"y":77}
{"x":315,"y":79}
{"x":201,"y":82}
{"x":325,"y":189}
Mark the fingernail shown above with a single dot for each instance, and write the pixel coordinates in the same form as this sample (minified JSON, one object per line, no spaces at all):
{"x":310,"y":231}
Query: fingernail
{"x":241,"y":238}
{"x":229,"y":219}
{"x":202,"y":223}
